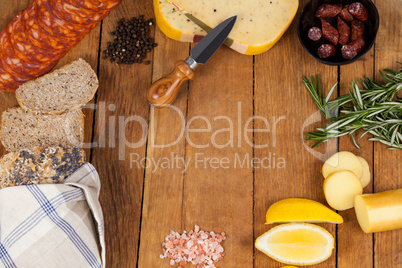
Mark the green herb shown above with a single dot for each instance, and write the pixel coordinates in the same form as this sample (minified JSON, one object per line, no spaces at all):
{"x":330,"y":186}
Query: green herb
{"x":376,"y":109}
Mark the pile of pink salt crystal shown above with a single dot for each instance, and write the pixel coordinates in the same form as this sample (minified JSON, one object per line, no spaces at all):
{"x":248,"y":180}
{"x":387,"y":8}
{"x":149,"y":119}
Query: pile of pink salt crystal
{"x":198,"y":247}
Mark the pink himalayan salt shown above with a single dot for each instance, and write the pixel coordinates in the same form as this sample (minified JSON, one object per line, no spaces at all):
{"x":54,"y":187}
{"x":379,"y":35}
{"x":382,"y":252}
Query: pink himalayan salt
{"x":198,"y":247}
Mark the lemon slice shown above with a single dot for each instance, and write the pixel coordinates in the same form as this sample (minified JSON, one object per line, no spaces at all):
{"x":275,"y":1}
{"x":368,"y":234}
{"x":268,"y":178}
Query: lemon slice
{"x":296,"y":244}
{"x":301,"y":210}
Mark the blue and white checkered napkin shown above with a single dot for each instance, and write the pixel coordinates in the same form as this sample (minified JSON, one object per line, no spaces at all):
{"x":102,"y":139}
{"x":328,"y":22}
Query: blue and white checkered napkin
{"x":53,"y":225}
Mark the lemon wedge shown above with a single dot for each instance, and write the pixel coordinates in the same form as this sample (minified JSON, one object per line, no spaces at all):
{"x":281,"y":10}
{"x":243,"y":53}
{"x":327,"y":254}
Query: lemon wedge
{"x":301,"y":210}
{"x":296,"y":244}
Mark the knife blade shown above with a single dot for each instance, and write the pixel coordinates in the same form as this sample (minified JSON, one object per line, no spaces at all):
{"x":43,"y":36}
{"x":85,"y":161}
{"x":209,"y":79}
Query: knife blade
{"x":164,"y":91}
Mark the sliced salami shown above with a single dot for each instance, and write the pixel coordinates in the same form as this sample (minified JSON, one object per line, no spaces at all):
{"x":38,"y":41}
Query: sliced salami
{"x":7,"y":82}
{"x":326,"y":51}
{"x":345,"y":15}
{"x":358,"y":11}
{"x":35,"y":40}
{"x":314,"y":33}
{"x":329,"y":32}
{"x":344,"y":31}
{"x":24,"y":47}
{"x":12,"y":64}
{"x":357,"y":30}
{"x":41,"y":38}
{"x":72,"y":13}
{"x":96,"y":5}
{"x":56,"y":26}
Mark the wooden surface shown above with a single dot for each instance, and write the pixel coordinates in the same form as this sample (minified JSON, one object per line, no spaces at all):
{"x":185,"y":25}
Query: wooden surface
{"x":143,"y":202}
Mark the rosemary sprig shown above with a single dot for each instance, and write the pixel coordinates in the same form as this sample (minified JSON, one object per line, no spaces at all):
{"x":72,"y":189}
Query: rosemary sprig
{"x":376,"y":109}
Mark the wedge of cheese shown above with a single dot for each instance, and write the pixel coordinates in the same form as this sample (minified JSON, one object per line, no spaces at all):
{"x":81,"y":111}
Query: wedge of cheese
{"x":175,"y":24}
{"x":260,"y":23}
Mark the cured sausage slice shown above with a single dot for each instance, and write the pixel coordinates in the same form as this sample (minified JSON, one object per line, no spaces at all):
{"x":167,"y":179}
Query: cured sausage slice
{"x":344,"y":32}
{"x":352,"y":49}
{"x":55,"y":26}
{"x":345,"y":15}
{"x":329,"y":32}
{"x":11,"y":63}
{"x":358,"y":11}
{"x":328,"y":11}
{"x":24,"y":48}
{"x":7,"y":82}
{"x":326,"y":51}
{"x":41,"y":38}
{"x":70,"y":12}
{"x":97,"y":5}
{"x":314,"y":33}
{"x":357,"y":30}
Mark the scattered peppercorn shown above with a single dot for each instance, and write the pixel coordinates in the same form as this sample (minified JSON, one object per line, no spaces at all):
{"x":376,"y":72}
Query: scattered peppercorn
{"x":132,"y":41}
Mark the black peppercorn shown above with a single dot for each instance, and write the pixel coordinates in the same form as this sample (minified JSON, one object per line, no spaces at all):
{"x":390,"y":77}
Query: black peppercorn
{"x":132,"y":41}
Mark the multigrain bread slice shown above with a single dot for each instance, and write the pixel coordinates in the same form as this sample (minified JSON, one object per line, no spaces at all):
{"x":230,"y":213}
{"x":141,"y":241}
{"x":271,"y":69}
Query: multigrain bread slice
{"x":24,"y":130}
{"x":66,"y":89}
{"x":41,"y":165}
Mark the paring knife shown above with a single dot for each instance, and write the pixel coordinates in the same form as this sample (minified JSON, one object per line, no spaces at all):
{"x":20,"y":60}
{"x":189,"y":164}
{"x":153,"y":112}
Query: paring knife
{"x":164,"y":91}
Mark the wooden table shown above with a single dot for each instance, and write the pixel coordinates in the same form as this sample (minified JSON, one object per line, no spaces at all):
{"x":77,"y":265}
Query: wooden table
{"x":143,"y":202}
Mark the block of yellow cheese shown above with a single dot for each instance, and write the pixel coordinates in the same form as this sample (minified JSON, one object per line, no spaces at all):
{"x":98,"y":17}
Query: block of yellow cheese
{"x":174,"y":24}
{"x":260,"y":24}
{"x":379,"y":212}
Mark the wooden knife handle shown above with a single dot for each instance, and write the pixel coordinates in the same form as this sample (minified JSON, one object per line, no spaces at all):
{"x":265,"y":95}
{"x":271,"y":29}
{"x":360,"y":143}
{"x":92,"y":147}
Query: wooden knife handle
{"x":164,"y":91}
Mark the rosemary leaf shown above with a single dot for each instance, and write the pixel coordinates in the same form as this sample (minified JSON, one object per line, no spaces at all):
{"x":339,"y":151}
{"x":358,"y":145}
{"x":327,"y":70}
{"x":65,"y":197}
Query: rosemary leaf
{"x":375,"y":109}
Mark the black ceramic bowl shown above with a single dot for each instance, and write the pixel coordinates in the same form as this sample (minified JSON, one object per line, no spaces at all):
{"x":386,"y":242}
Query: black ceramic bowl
{"x":308,"y":20}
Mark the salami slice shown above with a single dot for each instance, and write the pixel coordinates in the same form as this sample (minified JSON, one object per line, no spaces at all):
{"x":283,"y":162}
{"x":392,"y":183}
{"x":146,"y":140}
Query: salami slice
{"x":314,"y":33}
{"x":12,"y":64}
{"x":41,"y":38}
{"x":358,"y":11}
{"x":55,"y":26}
{"x":326,"y":51}
{"x":97,"y":5}
{"x":24,"y":47}
{"x":7,"y":82}
{"x":72,"y":13}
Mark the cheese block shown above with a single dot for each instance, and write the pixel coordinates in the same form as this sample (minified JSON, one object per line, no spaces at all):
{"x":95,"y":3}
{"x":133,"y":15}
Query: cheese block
{"x":379,"y":212}
{"x":174,"y":24}
{"x":260,"y":23}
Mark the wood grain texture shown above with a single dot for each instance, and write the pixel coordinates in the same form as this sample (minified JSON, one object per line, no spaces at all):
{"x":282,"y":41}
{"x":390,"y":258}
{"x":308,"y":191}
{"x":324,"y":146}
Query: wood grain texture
{"x":387,"y":163}
{"x":119,"y":138}
{"x":281,"y":97}
{"x":163,"y":193}
{"x":219,"y":197}
{"x":350,"y":234}
{"x":87,"y":49}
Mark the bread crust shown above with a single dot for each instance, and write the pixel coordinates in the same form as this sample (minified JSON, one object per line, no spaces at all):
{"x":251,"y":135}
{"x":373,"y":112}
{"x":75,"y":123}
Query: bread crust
{"x":40,"y":165}
{"x":33,"y":83}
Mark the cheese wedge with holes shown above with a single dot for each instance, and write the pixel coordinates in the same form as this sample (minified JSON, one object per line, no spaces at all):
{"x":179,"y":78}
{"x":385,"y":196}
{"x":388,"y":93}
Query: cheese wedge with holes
{"x":174,"y":24}
{"x":260,"y":23}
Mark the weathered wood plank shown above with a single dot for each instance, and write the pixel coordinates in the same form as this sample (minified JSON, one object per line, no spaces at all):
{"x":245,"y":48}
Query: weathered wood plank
{"x":387,"y":163}
{"x":162,"y":207}
{"x":88,"y":49}
{"x":217,"y":191}
{"x":350,"y":234}
{"x":119,"y":135}
{"x":282,"y":99}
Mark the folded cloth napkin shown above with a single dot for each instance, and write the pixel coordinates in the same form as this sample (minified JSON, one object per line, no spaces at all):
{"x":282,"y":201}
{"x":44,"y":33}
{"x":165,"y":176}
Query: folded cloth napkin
{"x":53,"y":225}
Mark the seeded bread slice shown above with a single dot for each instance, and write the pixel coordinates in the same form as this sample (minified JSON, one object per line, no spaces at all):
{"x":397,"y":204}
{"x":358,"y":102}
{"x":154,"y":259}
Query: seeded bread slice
{"x":66,"y":89}
{"x":41,"y":165}
{"x":24,"y":130}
